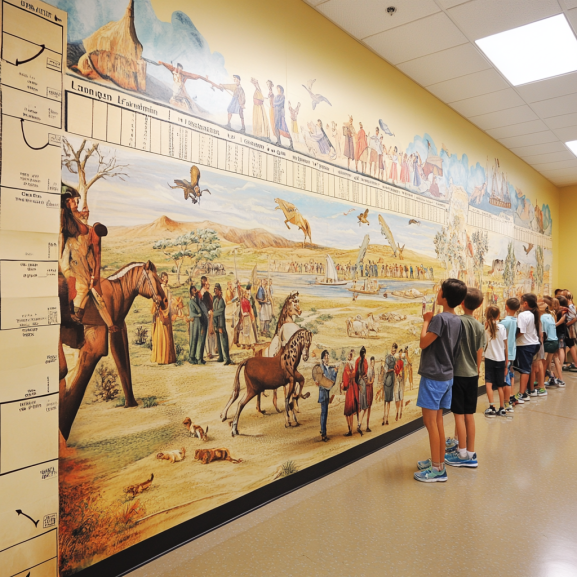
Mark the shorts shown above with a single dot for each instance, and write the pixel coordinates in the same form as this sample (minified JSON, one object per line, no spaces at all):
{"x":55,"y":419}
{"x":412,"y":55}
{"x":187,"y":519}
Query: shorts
{"x":510,"y":375}
{"x":540,"y":354}
{"x":464,"y":395}
{"x":434,"y":395}
{"x":551,"y":346}
{"x":524,"y":358}
{"x":495,"y":372}
{"x":569,"y":342}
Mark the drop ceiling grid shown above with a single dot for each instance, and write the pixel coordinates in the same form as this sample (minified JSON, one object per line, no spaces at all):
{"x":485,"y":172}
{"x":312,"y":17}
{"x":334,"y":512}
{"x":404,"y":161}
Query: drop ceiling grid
{"x":432,"y":42}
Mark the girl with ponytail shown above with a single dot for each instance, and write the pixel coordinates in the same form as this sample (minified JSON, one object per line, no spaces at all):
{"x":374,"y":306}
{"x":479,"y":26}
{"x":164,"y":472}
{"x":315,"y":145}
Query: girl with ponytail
{"x":528,"y":343}
{"x":496,"y":360}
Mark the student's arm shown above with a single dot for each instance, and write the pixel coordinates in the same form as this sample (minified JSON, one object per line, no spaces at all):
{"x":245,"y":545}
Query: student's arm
{"x":479,"y":360}
{"x":427,"y":338}
{"x":561,"y":320}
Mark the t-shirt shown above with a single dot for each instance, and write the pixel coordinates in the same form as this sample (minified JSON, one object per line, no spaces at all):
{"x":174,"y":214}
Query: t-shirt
{"x":496,"y":347}
{"x":548,"y":327}
{"x":510,"y":324}
{"x":438,"y":359}
{"x":528,"y":333}
{"x":561,"y":328}
{"x":473,"y":339}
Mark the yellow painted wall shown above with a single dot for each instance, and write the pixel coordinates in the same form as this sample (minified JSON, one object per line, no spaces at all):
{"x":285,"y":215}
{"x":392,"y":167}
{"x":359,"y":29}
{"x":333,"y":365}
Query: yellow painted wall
{"x":567,"y":247}
{"x":289,"y":35}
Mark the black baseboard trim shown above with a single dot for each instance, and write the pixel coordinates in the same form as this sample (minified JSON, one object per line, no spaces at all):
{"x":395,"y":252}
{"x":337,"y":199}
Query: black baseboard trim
{"x":154,"y":547}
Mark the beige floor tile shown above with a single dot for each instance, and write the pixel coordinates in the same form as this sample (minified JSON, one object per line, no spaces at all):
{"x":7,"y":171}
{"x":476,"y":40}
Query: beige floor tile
{"x":514,"y":515}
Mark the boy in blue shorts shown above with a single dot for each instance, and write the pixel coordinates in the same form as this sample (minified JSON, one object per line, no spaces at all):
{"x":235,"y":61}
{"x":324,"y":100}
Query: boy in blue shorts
{"x":440,"y":343}
{"x":512,"y":305}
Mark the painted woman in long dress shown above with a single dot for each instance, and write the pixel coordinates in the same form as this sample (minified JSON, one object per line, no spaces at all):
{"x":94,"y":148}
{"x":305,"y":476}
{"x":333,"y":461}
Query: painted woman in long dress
{"x":393,"y":172}
{"x":361,"y":369}
{"x":366,"y":401}
{"x":399,"y":385}
{"x":349,"y":134}
{"x":259,"y":119}
{"x":246,"y":337}
{"x":351,"y":390}
{"x":405,"y":177}
{"x":280,"y":125}
{"x":390,"y":361}
{"x":416,"y":170}
{"x":163,"y":350}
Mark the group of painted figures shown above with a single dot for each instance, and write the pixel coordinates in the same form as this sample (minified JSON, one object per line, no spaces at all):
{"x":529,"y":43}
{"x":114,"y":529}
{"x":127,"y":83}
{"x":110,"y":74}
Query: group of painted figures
{"x":358,"y":386}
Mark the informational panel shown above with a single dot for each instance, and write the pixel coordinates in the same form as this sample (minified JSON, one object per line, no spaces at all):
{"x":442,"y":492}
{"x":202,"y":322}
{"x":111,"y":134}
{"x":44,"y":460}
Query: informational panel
{"x":33,"y":47}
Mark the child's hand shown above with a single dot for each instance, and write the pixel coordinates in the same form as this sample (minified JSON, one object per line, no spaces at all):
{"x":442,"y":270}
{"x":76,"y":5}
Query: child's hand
{"x":428,"y":316}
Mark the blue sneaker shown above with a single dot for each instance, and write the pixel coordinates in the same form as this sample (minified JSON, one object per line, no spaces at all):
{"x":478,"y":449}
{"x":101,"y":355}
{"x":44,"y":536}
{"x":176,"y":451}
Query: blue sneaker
{"x":455,"y":460}
{"x":450,"y":443}
{"x":452,"y":449}
{"x":422,"y":465}
{"x":431,"y":476}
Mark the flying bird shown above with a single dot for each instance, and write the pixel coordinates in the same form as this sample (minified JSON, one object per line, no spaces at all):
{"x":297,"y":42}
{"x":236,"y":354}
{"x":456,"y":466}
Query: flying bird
{"x":349,"y":211}
{"x":413,"y":221}
{"x":316,"y":98}
{"x":385,"y":128}
{"x":528,"y":249}
{"x":191,"y":189}
{"x":363,"y":217}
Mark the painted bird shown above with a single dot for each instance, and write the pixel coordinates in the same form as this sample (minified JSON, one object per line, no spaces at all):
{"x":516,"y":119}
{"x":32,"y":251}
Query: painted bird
{"x":363,"y":217}
{"x":528,"y":249}
{"x":316,"y":98}
{"x":413,"y":221}
{"x":191,"y":189}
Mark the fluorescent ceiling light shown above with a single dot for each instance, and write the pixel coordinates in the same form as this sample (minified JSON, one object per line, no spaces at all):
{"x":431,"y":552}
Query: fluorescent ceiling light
{"x":572,"y":146}
{"x":533,"y":52}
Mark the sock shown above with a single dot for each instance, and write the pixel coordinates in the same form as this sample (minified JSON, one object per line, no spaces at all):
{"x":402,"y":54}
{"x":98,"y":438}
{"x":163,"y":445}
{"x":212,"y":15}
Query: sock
{"x":438,"y":466}
{"x":462,"y":453}
{"x":470,"y":454}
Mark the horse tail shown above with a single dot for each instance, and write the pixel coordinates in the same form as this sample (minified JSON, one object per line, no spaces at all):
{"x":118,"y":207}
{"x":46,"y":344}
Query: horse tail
{"x":235,"y":390}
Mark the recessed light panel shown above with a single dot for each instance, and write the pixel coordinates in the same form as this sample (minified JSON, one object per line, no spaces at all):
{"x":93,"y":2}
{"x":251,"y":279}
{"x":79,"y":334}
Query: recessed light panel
{"x":533,"y":52}
{"x":572,"y":146}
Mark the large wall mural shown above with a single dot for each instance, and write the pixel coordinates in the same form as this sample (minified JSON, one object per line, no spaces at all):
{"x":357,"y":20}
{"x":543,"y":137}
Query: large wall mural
{"x":221,"y":228}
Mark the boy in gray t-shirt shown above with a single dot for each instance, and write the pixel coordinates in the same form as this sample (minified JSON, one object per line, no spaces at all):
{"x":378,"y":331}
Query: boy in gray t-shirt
{"x":461,"y":451}
{"x":440,"y":344}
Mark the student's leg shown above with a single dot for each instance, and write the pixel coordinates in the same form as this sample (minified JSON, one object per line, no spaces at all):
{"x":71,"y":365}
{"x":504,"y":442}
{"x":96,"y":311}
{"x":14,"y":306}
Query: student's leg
{"x":430,"y":419}
{"x":533,"y":377}
{"x":523,"y":380}
{"x":460,"y":430}
{"x":470,"y":428}
{"x":489,"y":392}
{"x":441,"y":433}
{"x":558,"y":367}
{"x":501,"y":397}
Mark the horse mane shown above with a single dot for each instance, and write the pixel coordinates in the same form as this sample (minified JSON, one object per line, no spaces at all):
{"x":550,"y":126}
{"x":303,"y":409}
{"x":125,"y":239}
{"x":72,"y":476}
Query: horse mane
{"x":124,"y":270}
{"x":283,"y":314}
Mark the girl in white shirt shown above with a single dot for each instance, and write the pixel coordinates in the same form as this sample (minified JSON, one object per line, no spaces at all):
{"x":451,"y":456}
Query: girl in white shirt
{"x":528,"y":342}
{"x":496,"y":360}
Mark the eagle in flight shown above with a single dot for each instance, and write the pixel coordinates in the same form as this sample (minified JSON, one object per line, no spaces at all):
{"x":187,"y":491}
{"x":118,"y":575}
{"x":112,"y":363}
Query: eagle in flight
{"x":363,"y":217}
{"x":191,"y":189}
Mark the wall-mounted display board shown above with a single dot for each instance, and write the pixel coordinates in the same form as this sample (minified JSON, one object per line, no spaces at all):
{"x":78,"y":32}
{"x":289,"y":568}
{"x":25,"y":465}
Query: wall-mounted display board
{"x":182,"y":238}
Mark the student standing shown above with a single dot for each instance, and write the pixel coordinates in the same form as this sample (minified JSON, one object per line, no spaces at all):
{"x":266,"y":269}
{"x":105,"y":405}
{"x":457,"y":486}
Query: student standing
{"x":440,"y":343}
{"x":496,"y":360}
{"x":466,"y":383}
{"x":550,"y":344}
{"x":528,"y":342}
{"x":512,"y":305}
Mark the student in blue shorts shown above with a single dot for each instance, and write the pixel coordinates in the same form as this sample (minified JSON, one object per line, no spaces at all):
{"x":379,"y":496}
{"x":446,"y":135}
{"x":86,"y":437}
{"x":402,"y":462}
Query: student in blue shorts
{"x":512,"y":305}
{"x":440,"y":343}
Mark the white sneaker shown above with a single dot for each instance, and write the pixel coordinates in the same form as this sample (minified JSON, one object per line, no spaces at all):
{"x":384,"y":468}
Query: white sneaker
{"x":510,"y":409}
{"x":533,"y":393}
{"x":560,"y":383}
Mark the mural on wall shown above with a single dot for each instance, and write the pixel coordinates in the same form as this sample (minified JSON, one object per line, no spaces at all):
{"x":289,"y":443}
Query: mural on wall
{"x":213,"y":323}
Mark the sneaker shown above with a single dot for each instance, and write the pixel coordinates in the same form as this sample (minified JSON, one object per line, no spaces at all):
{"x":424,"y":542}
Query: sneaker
{"x":510,"y":410}
{"x":551,"y":383}
{"x":490,"y":412}
{"x":513,"y":400}
{"x":455,"y":460}
{"x":502,"y":413}
{"x":519,"y":398}
{"x":453,"y":449}
{"x":422,"y":465}
{"x":572,"y":368}
{"x":541,"y":392}
{"x":450,"y":443}
{"x":525,"y":396}
{"x":533,"y":393}
{"x":560,"y":383}
{"x":429,"y":475}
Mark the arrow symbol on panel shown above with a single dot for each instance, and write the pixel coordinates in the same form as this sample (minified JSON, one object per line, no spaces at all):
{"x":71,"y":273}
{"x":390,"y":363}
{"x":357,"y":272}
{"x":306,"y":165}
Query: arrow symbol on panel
{"x":19,"y":511}
{"x":42,"y":48}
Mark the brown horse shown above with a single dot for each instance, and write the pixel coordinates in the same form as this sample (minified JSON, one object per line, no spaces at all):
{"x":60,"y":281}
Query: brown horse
{"x":262,"y":373}
{"x":118,"y":293}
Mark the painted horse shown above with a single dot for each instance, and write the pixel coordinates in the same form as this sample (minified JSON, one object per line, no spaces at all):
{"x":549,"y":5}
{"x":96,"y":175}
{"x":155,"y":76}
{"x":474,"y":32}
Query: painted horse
{"x":261,"y":374}
{"x":92,"y":340}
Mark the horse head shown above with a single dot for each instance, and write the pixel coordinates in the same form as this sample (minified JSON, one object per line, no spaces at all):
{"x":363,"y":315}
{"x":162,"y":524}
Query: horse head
{"x":150,"y":287}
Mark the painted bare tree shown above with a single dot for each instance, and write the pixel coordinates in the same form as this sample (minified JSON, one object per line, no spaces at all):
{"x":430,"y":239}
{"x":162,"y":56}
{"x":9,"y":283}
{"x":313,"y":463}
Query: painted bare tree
{"x":76,"y":160}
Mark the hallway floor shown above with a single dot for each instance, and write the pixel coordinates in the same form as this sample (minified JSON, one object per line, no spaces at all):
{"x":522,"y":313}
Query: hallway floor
{"x":514,"y":515}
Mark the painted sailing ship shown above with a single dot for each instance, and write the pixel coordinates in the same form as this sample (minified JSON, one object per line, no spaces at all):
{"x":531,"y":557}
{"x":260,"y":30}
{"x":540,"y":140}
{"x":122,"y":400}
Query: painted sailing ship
{"x":331,"y":277}
{"x":365,"y":287}
{"x":499,"y":190}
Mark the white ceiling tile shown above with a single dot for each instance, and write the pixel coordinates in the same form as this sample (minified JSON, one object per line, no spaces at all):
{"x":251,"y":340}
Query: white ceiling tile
{"x":450,"y":3}
{"x":467,"y":86}
{"x":556,"y":165}
{"x":529,"y":139}
{"x":556,"y":106}
{"x":561,"y":121}
{"x":566,"y":134}
{"x":570,"y":4}
{"x":550,"y":88}
{"x":549,"y":157}
{"x":569,"y":173}
{"x":504,"y":117}
{"x":430,"y":34}
{"x":363,"y":18}
{"x":482,"y":18}
{"x":486,"y":103}
{"x":445,"y":65}
{"x":529,"y":151}
{"x":517,"y":129}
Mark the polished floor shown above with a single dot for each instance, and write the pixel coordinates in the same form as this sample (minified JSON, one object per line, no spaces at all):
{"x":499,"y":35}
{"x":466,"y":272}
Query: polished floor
{"x":516,"y":515}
